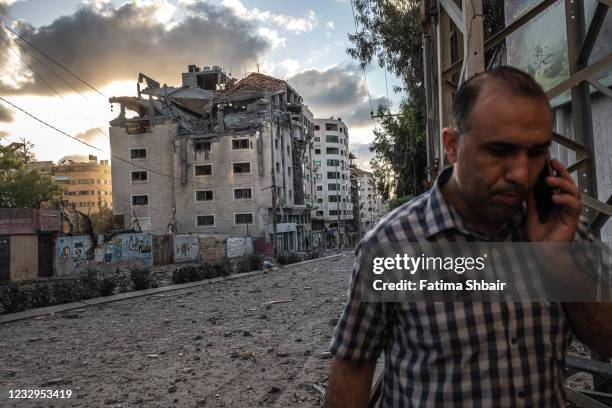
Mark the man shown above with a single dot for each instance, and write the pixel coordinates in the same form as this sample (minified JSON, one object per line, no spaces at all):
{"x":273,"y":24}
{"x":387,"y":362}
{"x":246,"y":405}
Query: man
{"x":473,"y":353}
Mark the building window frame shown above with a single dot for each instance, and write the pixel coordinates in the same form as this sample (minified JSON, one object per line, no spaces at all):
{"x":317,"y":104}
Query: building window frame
{"x":246,"y":223}
{"x":195,"y":196}
{"x":202,"y":165}
{"x":140,"y":205}
{"x":134,"y":149}
{"x":242,"y":188}
{"x":145,"y":180}
{"x":214,"y":224}
{"x":242,"y":172}
{"x":240,"y":140}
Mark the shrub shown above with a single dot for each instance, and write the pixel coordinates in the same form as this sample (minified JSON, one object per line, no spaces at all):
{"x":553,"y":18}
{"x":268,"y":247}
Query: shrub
{"x":243,"y":265}
{"x":255,"y":262}
{"x":90,"y":286}
{"x":141,"y":278}
{"x":65,"y":291}
{"x":185,"y":274}
{"x":14,"y":299}
{"x":288,"y":259}
{"x":107,"y":286}
{"x":221,"y":267}
{"x":40,"y":296}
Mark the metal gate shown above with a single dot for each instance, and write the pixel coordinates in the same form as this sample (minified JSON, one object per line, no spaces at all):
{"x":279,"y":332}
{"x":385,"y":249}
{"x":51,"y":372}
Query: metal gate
{"x":45,"y":255}
{"x":5,"y":258}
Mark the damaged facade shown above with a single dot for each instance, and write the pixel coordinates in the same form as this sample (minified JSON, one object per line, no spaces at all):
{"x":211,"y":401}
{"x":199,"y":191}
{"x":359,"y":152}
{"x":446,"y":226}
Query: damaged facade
{"x":199,"y":158}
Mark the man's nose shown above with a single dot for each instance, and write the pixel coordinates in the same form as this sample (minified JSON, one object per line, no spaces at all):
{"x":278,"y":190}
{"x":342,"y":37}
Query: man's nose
{"x":517,"y":170}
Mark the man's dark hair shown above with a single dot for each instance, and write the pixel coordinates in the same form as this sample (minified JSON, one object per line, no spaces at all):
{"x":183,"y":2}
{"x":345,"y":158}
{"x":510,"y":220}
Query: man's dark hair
{"x":519,"y":83}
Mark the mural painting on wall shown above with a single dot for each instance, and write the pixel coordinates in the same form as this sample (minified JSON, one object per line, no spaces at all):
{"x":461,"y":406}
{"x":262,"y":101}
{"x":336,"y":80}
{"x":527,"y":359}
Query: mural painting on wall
{"x":185,"y":248}
{"x":239,"y":246}
{"x":211,"y":249}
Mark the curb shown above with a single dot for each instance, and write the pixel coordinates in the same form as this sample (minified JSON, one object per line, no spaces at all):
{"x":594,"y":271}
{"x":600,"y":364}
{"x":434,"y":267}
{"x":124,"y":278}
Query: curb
{"x":43,"y":311}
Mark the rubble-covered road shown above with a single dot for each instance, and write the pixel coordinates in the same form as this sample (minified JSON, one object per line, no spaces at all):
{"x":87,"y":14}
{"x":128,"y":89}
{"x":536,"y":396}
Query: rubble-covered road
{"x":217,"y":345}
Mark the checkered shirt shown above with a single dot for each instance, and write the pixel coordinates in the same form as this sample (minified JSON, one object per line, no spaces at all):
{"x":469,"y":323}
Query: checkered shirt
{"x":468,"y":354}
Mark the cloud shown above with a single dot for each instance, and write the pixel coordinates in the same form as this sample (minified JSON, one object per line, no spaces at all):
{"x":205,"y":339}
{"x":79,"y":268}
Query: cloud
{"x":273,"y":37}
{"x":6,"y":115}
{"x":339,"y":91}
{"x":330,"y":25}
{"x":3,"y":134}
{"x":89,"y":136}
{"x":5,"y":6}
{"x":103,"y":44}
{"x":363,"y":153}
{"x":289,"y":23}
{"x":75,"y":158}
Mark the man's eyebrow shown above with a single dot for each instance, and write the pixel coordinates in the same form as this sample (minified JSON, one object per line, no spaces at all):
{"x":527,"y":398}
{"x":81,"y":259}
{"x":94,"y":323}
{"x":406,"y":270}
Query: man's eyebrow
{"x":506,"y":145}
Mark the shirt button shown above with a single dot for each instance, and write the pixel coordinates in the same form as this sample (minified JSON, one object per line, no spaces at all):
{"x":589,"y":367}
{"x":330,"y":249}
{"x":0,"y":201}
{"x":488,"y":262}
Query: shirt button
{"x":521,"y":394}
{"x":513,"y":340}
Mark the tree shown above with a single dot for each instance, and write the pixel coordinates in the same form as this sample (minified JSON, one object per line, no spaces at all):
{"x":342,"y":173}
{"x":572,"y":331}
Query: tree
{"x":20,"y":186}
{"x":102,"y":221}
{"x":390,"y":33}
{"x":24,"y":151}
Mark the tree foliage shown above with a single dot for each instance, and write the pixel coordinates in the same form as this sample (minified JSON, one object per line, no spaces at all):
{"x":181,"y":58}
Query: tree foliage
{"x":20,"y":186}
{"x":390,"y":33}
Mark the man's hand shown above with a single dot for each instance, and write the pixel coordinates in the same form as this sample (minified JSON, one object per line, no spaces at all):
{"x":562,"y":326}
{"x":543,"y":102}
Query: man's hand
{"x":563,"y":223}
{"x":349,"y":384}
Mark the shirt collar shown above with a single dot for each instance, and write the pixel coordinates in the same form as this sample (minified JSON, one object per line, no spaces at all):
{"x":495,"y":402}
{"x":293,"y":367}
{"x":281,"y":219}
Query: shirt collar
{"x":440,"y":216}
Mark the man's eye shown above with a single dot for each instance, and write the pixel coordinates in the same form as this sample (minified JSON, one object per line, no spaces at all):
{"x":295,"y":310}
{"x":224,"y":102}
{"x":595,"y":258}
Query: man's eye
{"x":538,"y":152}
{"x":500,"y":150}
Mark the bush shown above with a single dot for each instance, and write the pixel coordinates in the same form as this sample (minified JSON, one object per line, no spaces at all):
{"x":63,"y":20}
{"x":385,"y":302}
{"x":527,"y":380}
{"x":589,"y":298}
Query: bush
{"x":40,"y":296}
{"x":187,"y":274}
{"x":65,"y":291}
{"x":141,"y":278}
{"x":288,"y":259}
{"x":14,"y":299}
{"x":221,"y":267}
{"x":107,"y":286}
{"x":90,"y":286}
{"x":255,"y":262}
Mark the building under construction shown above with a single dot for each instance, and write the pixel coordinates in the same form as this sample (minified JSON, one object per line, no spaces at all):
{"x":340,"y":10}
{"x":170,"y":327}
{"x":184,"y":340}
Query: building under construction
{"x":215,"y":156}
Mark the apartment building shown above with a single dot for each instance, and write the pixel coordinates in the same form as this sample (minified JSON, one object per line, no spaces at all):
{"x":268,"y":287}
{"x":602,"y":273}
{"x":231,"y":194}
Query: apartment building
{"x":87,"y":185}
{"x":371,"y":205}
{"x":214,"y":156}
{"x":333,"y":207}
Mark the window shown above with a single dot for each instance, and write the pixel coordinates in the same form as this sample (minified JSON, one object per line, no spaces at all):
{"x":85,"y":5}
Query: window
{"x":333,"y":175}
{"x":332,"y":150}
{"x":317,"y":127}
{"x":140,"y":200}
{"x":317,"y":139}
{"x":333,"y":212}
{"x":333,"y":162}
{"x":319,"y":188}
{"x":288,"y":151}
{"x":204,"y":195}
{"x":242,"y":194}
{"x":317,"y":163}
{"x":333,"y":187}
{"x":205,"y":220}
{"x":138,"y":153}
{"x":319,"y":200}
{"x":276,"y":143}
{"x":139,"y":176}
{"x":200,"y":146}
{"x":242,"y":167}
{"x":331,"y":126}
{"x":277,"y":167}
{"x":289,"y":170}
{"x":240,"y":144}
{"x":331,"y":139}
{"x":332,"y":198}
{"x":317,"y":151}
{"x":241,"y":219}
{"x":318,"y":176}
{"x":203,"y":169}
{"x":319,"y":213}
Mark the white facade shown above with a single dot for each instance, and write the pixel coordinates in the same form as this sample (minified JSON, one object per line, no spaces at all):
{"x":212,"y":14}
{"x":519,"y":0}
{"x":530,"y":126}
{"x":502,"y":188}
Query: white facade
{"x":332,"y":202}
{"x":371,"y":205}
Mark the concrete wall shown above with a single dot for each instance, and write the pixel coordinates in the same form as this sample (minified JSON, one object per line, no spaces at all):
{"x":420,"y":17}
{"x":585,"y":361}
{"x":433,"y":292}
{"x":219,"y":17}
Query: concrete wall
{"x":186,"y":248}
{"x":159,"y":187}
{"x":24,"y":257}
{"x":74,"y":254}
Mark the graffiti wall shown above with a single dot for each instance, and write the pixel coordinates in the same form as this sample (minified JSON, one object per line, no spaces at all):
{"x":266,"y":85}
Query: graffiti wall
{"x":211,"y":248}
{"x":186,"y":248}
{"x":74,"y":254}
{"x":239,"y":246}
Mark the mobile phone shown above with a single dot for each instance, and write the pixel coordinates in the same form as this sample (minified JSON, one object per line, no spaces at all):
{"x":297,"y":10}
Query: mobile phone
{"x":543,"y":193}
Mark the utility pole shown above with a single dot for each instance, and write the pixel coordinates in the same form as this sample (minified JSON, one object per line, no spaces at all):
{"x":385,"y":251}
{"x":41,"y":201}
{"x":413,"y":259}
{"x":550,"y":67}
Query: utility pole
{"x":338,"y":198}
{"x":273,"y":168}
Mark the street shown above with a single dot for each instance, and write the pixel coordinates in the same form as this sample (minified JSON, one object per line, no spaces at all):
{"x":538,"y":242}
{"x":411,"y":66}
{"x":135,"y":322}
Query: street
{"x":217,"y":345}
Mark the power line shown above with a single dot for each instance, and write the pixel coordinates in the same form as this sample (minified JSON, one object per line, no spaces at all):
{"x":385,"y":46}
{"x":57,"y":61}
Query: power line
{"x":54,"y":61}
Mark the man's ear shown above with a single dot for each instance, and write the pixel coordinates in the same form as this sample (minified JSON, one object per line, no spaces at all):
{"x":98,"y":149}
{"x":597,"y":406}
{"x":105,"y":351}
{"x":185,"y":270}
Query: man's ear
{"x":450,"y":141}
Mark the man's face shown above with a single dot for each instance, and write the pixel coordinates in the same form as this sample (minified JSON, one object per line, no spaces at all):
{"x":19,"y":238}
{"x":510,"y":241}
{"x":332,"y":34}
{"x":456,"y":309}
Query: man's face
{"x":499,"y":157}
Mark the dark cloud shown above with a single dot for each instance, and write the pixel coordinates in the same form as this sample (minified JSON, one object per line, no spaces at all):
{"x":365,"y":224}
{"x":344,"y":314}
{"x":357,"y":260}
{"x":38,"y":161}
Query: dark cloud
{"x":75,"y":158}
{"x":6,"y":115}
{"x":338,"y":91}
{"x":116,"y":44}
{"x":89,"y":136}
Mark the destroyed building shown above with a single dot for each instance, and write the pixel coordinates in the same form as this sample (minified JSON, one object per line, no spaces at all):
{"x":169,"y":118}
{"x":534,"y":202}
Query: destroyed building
{"x":200,"y":158}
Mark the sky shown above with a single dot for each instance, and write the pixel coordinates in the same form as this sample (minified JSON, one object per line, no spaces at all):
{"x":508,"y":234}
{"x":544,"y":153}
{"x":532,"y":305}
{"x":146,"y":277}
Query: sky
{"x":108,"y":42}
